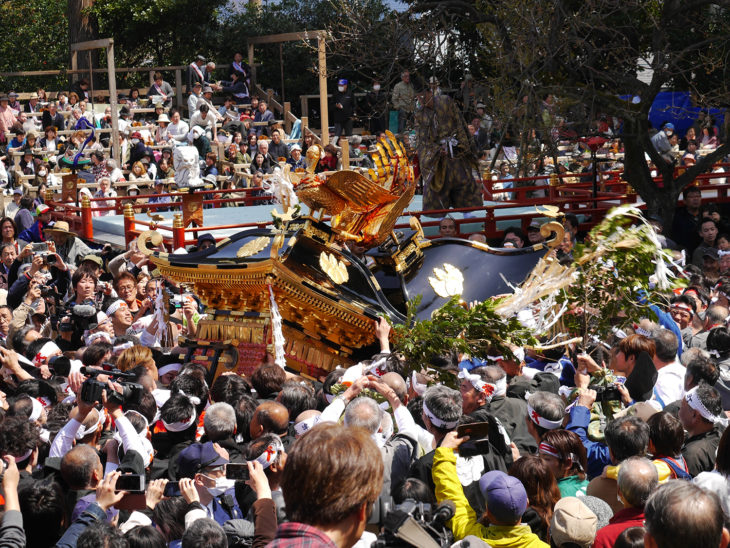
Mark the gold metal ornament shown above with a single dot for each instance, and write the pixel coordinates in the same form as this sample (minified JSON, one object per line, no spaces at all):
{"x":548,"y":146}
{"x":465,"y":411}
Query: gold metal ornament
{"x":334,"y":268}
{"x":447,"y":281}
{"x":549,"y":211}
{"x":252,"y":247}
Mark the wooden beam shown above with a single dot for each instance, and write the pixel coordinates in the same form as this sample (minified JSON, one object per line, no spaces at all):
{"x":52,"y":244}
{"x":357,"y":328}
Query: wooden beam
{"x":251,"y":65}
{"x":287,"y":37}
{"x":323,"y":106}
{"x":116,"y":149}
{"x":92,"y":44}
{"x":178,"y":88}
{"x":287,"y":119}
{"x":345,"y":146}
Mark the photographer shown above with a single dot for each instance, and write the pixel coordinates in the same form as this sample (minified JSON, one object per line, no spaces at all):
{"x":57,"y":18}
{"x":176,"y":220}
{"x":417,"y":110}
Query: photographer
{"x":69,"y":247}
{"x":53,"y":269}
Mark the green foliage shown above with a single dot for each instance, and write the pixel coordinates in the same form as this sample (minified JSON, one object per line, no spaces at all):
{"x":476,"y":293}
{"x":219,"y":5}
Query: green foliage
{"x":616,"y":279}
{"x":35,"y":38}
{"x":454,"y":328}
{"x":158,"y":32}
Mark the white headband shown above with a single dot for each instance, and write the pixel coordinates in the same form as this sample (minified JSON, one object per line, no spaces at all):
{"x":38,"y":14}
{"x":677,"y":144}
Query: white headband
{"x":307,"y":424}
{"x":89,"y":339}
{"x":195,"y":400}
{"x":140,"y":415}
{"x":165,"y":369}
{"x":116,"y":305}
{"x":418,"y":388}
{"x":24,"y":456}
{"x":547,"y":449}
{"x":45,"y":352}
{"x":82,"y":432}
{"x":180,"y":426}
{"x":375,"y":367}
{"x":642,"y":331}
{"x":542,"y":421}
{"x":694,"y":401}
{"x":37,"y":410}
{"x":721,"y":253}
{"x":487,"y":388}
{"x":438,"y":423}
{"x":270,"y":454}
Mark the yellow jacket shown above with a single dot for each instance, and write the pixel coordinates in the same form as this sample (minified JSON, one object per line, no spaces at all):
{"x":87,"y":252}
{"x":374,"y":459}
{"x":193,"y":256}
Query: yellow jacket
{"x":465,"y":521}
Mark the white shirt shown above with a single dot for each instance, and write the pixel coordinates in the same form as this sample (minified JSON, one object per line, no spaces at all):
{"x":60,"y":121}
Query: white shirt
{"x":669,"y":383}
{"x":178,"y":131}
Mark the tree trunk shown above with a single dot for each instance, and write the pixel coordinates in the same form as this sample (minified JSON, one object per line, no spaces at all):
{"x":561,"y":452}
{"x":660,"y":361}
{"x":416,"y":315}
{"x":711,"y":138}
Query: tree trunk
{"x":82,"y":27}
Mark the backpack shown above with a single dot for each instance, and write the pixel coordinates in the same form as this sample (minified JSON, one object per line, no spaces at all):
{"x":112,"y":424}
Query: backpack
{"x":679,"y":471}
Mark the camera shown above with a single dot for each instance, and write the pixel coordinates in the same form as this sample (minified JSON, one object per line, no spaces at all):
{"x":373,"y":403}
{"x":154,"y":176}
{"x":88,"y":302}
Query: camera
{"x":606,"y":393}
{"x":46,"y":290}
{"x":412,"y":523}
{"x":92,"y":389}
{"x":41,"y":248}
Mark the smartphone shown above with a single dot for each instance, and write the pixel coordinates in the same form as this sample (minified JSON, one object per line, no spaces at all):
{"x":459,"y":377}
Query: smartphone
{"x":475,"y":430}
{"x":237,"y":471}
{"x":134,"y":483}
{"x":172,"y":489}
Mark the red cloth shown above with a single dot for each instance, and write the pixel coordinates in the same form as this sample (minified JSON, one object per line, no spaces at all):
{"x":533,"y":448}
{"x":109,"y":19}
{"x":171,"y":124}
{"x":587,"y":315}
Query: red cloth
{"x":622,"y":520}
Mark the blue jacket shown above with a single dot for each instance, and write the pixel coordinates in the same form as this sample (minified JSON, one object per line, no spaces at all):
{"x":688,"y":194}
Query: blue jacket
{"x":92,"y":514}
{"x":598,"y":454}
{"x":34,"y":234}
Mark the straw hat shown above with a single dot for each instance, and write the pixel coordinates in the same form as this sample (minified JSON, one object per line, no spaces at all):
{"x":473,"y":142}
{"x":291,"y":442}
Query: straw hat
{"x":33,"y":95}
{"x":163,"y":118}
{"x":60,"y":227}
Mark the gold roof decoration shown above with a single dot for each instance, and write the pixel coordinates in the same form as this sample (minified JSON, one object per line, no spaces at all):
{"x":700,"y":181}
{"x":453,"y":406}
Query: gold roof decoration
{"x":364,"y":209}
{"x":334,"y":268}
{"x":252,"y":247}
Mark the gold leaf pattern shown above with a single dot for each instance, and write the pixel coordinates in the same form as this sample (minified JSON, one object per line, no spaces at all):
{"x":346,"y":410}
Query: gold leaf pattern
{"x":334,"y":268}
{"x":252,"y":247}
{"x":447,"y":281}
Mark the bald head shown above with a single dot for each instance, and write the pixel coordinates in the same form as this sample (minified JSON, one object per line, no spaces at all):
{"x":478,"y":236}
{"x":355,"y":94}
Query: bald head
{"x":81,"y":468}
{"x":396,"y":382}
{"x":637,"y":480}
{"x":306,"y":415}
{"x":270,"y":417}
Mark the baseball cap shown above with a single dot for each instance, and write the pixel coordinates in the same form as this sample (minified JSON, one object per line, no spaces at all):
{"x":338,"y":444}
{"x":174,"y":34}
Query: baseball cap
{"x":136,"y":135}
{"x":711,"y":252}
{"x":573,"y":522}
{"x":41,"y":209}
{"x":506,"y":496}
{"x":341,"y":82}
{"x":534,"y":225}
{"x":207,"y":237}
{"x":198,"y":85}
{"x":197,"y":457}
{"x":669,"y":126}
{"x":296,"y":147}
{"x":18,"y":191}
{"x":93,"y":258}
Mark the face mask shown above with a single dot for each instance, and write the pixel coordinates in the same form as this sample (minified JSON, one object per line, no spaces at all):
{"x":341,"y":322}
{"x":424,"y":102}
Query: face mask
{"x":221,"y":486}
{"x":135,"y":141}
{"x":42,"y":173}
{"x":341,"y":88}
{"x":376,"y":87}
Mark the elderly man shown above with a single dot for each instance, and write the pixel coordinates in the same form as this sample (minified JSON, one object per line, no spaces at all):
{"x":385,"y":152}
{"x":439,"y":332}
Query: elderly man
{"x":637,"y":480}
{"x":325,"y":512}
{"x":700,"y":413}
{"x":68,"y":246}
{"x":680,"y":513}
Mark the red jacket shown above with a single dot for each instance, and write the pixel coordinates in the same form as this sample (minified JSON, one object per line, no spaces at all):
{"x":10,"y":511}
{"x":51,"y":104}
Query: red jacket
{"x":622,"y":520}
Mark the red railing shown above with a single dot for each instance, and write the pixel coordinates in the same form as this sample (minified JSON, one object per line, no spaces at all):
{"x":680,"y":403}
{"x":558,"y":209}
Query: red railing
{"x":569,"y":197}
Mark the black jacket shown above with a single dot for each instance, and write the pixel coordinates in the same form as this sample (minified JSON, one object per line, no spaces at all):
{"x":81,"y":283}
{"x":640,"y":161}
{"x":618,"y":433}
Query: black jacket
{"x":700,"y":451}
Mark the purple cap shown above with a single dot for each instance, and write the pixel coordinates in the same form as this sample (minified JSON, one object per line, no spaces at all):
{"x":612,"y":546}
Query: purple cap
{"x":342,"y":82}
{"x":506,"y":496}
{"x":197,"y":457}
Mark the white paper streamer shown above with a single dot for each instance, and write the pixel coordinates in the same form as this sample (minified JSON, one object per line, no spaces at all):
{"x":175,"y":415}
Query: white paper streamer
{"x":279,"y":341}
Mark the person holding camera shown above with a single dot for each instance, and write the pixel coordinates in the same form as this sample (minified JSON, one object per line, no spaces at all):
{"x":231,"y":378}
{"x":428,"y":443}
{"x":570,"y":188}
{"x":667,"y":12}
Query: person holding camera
{"x":70,"y":248}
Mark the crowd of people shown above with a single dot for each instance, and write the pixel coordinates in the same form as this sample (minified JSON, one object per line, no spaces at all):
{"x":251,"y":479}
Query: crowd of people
{"x":110,"y":437}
